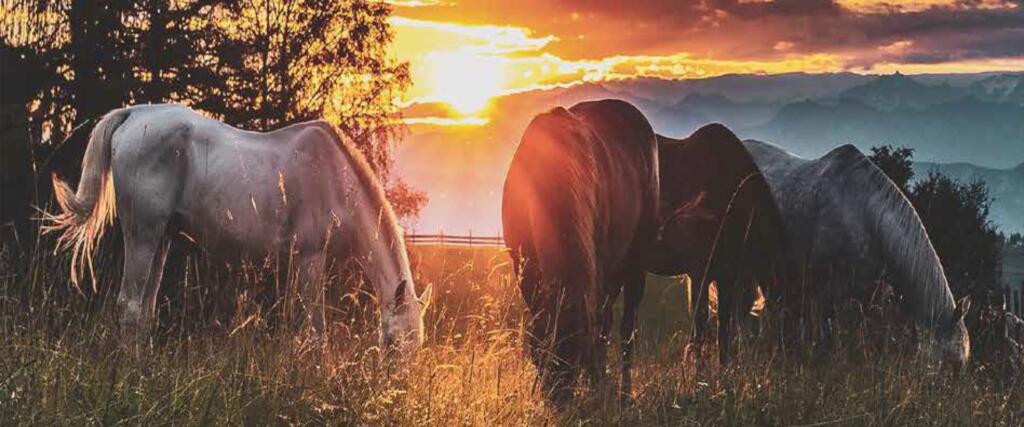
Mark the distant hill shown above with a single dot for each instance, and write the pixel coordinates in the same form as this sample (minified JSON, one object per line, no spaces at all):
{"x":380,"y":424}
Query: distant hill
{"x":964,"y":130}
{"x":743,"y":88}
{"x":698,"y":109}
{"x":1003,"y":88}
{"x":896,"y":91}
{"x":1006,"y":187}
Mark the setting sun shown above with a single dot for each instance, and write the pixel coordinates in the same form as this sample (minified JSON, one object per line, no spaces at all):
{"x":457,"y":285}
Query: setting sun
{"x":465,"y":80}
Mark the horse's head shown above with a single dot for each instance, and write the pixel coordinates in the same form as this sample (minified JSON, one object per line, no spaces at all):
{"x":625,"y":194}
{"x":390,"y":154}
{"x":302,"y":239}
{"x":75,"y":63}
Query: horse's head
{"x":952,"y":343}
{"x":402,"y":320}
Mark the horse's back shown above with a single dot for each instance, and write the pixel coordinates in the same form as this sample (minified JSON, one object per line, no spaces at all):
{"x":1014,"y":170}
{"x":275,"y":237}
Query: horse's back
{"x":714,"y":198}
{"x":711,"y":163}
{"x":561,"y":177}
{"x":626,"y":159}
{"x":549,"y":185}
{"x":230,"y":188}
{"x":825,"y":210}
{"x":627,"y":139}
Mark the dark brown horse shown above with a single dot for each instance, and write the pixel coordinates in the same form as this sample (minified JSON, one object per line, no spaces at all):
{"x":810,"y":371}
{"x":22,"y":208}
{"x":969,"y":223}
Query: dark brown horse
{"x":579,"y":210}
{"x":720,"y":224}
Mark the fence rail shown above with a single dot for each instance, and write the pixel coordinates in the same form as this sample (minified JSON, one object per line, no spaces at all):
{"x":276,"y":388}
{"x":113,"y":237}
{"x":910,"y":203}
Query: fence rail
{"x":454,"y":240}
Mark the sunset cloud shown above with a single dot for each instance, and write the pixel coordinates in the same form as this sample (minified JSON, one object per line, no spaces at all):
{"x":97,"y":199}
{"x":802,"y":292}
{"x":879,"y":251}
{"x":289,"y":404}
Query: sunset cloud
{"x":482,"y":61}
{"x":884,"y":6}
{"x":535,"y":43}
{"x":735,"y":29}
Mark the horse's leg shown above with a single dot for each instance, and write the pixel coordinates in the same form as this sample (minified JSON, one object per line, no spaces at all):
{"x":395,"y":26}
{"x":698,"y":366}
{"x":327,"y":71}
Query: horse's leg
{"x":701,"y":312}
{"x":598,"y":364}
{"x":145,"y":251}
{"x":155,"y":277}
{"x":790,"y":307}
{"x":543,"y":341}
{"x":751,"y":322}
{"x":726,"y":314}
{"x":310,"y":277}
{"x":634,"y":292}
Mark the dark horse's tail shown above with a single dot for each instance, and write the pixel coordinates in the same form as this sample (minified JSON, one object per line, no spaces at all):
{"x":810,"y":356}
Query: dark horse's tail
{"x":86,"y":213}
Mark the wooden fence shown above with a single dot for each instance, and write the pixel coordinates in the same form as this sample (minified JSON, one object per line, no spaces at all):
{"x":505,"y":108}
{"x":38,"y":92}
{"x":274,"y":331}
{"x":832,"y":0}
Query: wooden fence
{"x":453,"y":240}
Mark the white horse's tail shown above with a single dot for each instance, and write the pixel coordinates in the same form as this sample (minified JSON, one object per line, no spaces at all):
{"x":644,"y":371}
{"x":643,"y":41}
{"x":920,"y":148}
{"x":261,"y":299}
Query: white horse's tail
{"x":85,"y":213}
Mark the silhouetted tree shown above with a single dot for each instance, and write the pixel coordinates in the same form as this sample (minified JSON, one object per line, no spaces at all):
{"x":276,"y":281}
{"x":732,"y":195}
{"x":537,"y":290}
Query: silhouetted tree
{"x":103,"y":55}
{"x":18,"y":84}
{"x":406,"y":201}
{"x":896,"y":162}
{"x":290,"y":61}
{"x":956,"y":216}
{"x":1015,"y":241}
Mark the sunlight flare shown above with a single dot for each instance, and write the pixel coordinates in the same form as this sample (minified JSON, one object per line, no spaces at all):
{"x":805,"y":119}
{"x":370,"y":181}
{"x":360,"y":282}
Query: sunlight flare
{"x":465,"y":80}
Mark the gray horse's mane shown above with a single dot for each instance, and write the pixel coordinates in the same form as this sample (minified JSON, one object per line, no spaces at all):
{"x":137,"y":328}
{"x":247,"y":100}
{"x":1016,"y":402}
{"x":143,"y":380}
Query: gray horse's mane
{"x":367,"y":177}
{"x":902,"y":236}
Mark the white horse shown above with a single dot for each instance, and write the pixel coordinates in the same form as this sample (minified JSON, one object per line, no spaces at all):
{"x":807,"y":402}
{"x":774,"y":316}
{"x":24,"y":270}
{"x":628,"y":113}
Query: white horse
{"x":299,"y":192}
{"x":846,"y":222}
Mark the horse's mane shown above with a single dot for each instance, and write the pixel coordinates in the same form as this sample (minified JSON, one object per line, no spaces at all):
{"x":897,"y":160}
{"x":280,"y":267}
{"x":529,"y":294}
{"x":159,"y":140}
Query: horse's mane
{"x":711,"y":156}
{"x":551,"y":185}
{"x":574,"y":142}
{"x":369,"y":180}
{"x":901,"y":236}
{"x":615,"y":119}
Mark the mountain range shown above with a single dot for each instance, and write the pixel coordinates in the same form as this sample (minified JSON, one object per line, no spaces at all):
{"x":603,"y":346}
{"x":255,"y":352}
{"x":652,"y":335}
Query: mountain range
{"x":964,"y":120}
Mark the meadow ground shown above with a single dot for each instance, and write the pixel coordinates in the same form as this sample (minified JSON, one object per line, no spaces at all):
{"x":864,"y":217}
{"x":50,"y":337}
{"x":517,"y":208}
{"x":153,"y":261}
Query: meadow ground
{"x":61,"y":364}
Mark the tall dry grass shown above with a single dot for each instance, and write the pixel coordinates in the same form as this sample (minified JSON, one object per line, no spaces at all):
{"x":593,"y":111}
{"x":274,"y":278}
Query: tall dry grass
{"x":61,"y":363}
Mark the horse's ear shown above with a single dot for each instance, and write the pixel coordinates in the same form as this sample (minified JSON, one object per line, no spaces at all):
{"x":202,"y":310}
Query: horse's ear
{"x":427,"y":297}
{"x":962,"y":307}
{"x":400,"y":295}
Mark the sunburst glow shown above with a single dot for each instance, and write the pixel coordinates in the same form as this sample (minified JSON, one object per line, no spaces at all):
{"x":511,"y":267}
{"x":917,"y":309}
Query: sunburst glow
{"x":465,"y":80}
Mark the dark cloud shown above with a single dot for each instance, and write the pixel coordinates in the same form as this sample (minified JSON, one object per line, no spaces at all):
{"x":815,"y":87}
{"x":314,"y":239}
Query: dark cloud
{"x":934,"y":35}
{"x":735,"y":29}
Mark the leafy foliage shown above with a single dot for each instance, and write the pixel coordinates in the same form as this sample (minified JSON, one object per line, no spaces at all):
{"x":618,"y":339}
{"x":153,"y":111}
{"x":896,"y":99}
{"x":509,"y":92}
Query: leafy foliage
{"x":896,"y":162}
{"x":956,"y":215}
{"x":1015,"y":241}
{"x":405,"y":200}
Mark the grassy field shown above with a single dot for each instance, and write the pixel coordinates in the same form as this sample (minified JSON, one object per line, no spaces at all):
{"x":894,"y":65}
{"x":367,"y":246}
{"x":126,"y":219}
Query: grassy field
{"x":61,"y":364}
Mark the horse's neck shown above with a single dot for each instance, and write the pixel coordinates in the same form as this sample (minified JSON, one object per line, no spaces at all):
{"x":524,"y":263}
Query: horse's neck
{"x":382,"y":250}
{"x":926,"y":291}
{"x":909,"y":253}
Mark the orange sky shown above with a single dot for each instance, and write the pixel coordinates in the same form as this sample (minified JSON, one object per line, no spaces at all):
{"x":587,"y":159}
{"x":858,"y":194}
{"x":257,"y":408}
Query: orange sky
{"x":463,"y":52}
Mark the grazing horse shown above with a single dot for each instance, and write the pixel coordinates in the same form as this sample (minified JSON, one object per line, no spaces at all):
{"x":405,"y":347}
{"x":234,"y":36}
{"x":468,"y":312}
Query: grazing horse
{"x":720,"y":224}
{"x":847,"y":224}
{"x":299,"y":192}
{"x":579,"y":211}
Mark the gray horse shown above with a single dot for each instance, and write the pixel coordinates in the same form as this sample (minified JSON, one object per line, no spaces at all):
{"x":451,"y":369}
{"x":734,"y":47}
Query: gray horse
{"x":299,"y":192}
{"x":846,"y":224}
